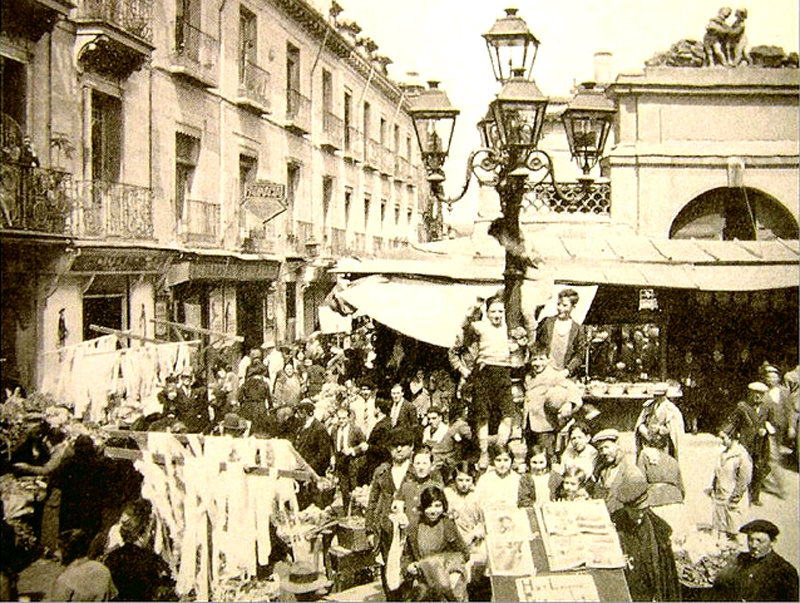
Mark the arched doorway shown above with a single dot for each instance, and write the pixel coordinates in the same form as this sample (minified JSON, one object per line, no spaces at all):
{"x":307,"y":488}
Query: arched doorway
{"x":727,"y":213}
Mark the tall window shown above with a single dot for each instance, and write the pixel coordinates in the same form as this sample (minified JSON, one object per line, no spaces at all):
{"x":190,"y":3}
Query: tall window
{"x":382,"y":132}
{"x":408,"y":147}
{"x":106,"y":137}
{"x":383,"y":214}
{"x":348,"y":118}
{"x":367,"y":120}
{"x":187,"y":20}
{"x":292,"y":79}
{"x":327,"y":92}
{"x":248,"y":35}
{"x":292,"y":186}
{"x":187,"y":152}
{"x":367,"y":209}
{"x":397,"y":139}
{"x":348,"y":204}
{"x":13,"y":88}
{"x":327,"y":197}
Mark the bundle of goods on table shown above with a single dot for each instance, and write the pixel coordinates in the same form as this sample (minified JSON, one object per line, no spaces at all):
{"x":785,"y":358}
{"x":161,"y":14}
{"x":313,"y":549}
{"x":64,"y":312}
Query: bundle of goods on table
{"x":635,"y":389}
{"x":699,"y":557}
{"x":557,"y":551}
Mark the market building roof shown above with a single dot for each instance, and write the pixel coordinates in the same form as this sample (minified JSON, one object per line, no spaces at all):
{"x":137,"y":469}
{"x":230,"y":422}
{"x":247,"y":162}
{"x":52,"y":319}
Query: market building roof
{"x":612,"y":260}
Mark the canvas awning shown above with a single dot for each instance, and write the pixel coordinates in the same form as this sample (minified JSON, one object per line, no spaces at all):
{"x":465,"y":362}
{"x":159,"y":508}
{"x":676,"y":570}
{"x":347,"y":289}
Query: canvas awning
{"x":434,"y":311}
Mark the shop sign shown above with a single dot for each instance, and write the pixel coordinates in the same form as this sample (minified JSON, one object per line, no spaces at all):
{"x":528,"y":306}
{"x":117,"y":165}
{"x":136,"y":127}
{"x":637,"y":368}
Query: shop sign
{"x":234,"y":271}
{"x":647,"y":299}
{"x":265,"y":199}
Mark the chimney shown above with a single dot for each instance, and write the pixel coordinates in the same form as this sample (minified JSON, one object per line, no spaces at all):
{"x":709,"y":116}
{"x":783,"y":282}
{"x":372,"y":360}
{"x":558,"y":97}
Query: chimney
{"x":603,"y":67}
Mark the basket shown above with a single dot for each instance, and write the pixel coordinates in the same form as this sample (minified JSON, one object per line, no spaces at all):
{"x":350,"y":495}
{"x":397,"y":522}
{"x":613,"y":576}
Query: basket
{"x":352,"y":534}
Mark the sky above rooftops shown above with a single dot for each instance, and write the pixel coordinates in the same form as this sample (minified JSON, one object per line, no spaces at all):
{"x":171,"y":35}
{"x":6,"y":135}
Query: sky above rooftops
{"x":441,"y":39}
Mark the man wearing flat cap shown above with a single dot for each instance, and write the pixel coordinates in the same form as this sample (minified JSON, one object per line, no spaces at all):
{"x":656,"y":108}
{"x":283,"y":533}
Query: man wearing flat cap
{"x":616,"y":474}
{"x":760,"y":574}
{"x":314,"y":444}
{"x":754,"y":421}
{"x":386,"y":481}
{"x":660,"y":420}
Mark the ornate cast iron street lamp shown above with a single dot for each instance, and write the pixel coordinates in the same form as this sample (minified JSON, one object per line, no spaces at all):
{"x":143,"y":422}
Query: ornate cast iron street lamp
{"x":511,"y":46}
{"x":587,"y":121}
{"x":510,"y":159}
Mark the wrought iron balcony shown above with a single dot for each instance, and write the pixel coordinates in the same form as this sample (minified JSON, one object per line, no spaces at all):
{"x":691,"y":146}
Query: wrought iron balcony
{"x":338,"y":241}
{"x":387,"y":161}
{"x":353,"y":149}
{"x":113,"y":210}
{"x":195,"y":55}
{"x":200,"y":221}
{"x":372,"y":154}
{"x":132,"y":16}
{"x":35,"y":199}
{"x":298,"y":112}
{"x":30,"y":19}
{"x":402,"y":168}
{"x":254,"y":83}
{"x":332,"y":131}
{"x":581,"y":198}
{"x":114,"y":36}
{"x":360,"y":242}
{"x":302,"y":235}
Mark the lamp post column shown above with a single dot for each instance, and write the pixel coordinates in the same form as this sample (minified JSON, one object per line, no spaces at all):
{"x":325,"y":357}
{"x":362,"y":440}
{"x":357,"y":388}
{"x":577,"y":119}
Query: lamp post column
{"x":511,"y":191}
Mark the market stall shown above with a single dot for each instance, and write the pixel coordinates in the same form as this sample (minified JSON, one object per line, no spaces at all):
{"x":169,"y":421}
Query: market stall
{"x":559,"y":551}
{"x":217,"y":500}
{"x":98,"y":375}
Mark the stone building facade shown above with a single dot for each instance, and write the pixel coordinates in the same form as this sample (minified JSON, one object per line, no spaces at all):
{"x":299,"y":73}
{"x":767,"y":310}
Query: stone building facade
{"x":196,"y":162}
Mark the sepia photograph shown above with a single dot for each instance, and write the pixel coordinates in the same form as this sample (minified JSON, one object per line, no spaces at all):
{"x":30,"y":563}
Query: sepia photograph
{"x":292,"y":291}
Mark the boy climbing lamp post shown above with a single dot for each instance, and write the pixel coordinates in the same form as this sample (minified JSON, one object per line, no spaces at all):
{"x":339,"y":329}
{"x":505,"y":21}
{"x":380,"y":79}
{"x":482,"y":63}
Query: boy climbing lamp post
{"x":509,"y":158}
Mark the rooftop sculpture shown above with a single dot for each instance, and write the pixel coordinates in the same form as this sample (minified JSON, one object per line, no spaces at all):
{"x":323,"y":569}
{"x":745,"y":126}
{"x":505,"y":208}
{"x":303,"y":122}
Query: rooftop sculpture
{"x":723,"y":45}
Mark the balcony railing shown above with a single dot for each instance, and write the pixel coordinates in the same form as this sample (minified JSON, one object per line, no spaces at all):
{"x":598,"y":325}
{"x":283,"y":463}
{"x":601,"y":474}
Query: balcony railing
{"x":196,"y":54}
{"x":303,"y":233}
{"x":253,"y":87}
{"x":402,"y":168}
{"x":298,"y":111}
{"x":353,"y":149}
{"x":35,"y":199}
{"x":594,"y":200}
{"x":359,"y":242}
{"x":133,"y":16}
{"x":387,"y":161}
{"x":372,"y":153}
{"x":338,"y":241}
{"x":200,"y":221}
{"x":114,"y":210}
{"x":332,"y":130}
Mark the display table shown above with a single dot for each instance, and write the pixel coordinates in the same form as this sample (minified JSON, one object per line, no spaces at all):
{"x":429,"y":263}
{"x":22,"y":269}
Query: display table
{"x":610,"y":583}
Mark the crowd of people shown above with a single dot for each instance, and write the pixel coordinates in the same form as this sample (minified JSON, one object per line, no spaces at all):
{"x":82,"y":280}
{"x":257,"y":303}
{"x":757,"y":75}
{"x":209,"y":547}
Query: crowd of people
{"x":438,"y":447}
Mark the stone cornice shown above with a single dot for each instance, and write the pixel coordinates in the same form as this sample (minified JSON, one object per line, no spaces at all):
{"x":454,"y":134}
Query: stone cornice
{"x":709,"y":81}
{"x":316,"y":24}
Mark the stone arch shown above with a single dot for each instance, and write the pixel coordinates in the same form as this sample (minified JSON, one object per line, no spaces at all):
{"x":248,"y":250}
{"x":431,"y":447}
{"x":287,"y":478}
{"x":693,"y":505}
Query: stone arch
{"x":728,"y":213}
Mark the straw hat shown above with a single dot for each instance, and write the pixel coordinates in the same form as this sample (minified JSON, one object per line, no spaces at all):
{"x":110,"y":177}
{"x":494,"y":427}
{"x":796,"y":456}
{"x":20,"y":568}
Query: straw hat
{"x":302,"y":578}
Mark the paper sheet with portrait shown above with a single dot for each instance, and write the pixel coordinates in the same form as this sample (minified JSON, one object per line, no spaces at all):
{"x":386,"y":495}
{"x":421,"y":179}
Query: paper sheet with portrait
{"x":508,"y":521}
{"x":578,"y":534}
{"x":510,"y":556}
